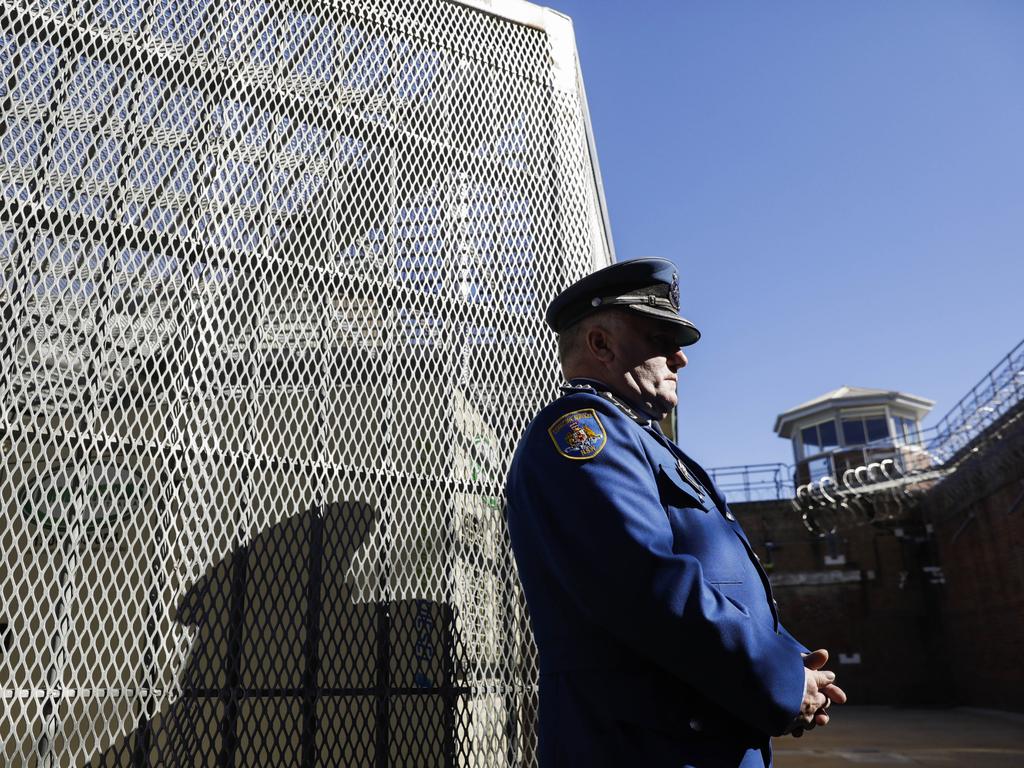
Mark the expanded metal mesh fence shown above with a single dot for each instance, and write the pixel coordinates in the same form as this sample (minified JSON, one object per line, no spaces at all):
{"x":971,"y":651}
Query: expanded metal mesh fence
{"x":272,"y":277}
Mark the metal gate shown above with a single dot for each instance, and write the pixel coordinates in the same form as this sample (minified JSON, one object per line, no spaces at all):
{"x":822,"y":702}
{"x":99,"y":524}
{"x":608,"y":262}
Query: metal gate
{"x":272,"y":277}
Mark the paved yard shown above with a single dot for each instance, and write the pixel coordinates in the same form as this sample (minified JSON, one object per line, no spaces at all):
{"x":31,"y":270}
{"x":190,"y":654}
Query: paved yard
{"x":883,"y":737}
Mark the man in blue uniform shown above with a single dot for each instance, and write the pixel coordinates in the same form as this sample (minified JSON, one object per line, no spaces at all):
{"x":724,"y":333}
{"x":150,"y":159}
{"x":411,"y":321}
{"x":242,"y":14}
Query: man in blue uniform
{"x":659,"y":639}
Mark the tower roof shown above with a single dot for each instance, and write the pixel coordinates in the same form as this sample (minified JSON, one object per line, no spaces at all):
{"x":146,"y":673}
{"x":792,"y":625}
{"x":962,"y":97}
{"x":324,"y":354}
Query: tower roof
{"x":849,"y":396}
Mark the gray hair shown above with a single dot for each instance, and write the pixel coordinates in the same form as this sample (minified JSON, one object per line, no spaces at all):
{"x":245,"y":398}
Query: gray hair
{"x":569,"y":342}
{"x":572,"y":339}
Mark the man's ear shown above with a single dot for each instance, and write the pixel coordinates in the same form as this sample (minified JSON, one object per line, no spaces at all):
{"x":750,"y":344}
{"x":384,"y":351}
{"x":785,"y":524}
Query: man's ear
{"x":599,"y":343}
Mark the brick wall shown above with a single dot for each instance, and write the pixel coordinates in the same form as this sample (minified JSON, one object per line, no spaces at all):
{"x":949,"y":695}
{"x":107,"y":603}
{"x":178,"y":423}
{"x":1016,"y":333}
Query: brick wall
{"x":978,"y":521}
{"x":931,"y":595}
{"x":867,"y":603}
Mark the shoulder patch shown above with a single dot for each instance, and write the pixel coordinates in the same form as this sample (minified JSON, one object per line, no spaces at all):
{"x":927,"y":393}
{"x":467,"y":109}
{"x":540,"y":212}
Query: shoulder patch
{"x":579,"y":434}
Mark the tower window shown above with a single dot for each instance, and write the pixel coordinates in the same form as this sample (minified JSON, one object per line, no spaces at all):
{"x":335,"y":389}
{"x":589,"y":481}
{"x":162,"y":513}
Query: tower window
{"x":819,"y":438}
{"x":866,"y":430}
{"x":906,"y":429}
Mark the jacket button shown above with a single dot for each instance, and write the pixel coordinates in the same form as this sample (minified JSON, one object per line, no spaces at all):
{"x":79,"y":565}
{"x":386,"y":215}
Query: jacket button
{"x":696,"y":725}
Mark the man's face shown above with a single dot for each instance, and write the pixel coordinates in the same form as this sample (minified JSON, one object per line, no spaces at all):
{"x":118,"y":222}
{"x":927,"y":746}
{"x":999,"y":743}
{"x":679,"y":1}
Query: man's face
{"x":648,"y":359}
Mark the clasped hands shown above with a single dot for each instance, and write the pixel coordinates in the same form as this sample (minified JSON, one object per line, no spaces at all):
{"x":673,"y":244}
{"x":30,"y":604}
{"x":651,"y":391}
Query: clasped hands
{"x":820,"y":691}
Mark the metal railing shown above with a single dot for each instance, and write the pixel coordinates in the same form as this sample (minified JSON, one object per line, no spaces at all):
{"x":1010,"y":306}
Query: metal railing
{"x":992,"y":397}
{"x":754,"y":482}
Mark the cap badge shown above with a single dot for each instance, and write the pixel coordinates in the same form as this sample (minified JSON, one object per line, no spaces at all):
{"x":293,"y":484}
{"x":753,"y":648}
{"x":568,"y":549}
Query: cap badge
{"x":673,"y":292}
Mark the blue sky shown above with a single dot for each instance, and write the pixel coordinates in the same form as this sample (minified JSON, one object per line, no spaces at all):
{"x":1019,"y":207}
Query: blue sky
{"x":840,"y":183}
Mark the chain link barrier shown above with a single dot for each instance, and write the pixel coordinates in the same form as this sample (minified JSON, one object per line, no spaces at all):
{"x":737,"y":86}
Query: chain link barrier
{"x":272,"y":277}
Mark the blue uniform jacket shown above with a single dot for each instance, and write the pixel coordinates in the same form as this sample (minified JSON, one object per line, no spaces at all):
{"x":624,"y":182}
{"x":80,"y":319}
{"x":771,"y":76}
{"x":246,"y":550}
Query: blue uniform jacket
{"x":658,"y":637}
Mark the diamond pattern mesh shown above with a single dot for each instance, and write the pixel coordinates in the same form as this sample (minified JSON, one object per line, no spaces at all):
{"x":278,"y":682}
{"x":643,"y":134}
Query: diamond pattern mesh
{"x":272,"y":277}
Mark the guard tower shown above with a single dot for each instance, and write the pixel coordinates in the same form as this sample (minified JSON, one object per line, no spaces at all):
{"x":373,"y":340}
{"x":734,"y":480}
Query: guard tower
{"x":851,"y":427}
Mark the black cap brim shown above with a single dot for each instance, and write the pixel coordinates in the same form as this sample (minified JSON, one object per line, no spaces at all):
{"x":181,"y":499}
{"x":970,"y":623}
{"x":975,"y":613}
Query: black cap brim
{"x":686,"y":332}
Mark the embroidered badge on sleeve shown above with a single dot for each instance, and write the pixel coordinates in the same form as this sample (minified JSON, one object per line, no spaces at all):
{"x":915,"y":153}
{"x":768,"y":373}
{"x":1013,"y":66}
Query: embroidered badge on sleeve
{"x":579,"y":435}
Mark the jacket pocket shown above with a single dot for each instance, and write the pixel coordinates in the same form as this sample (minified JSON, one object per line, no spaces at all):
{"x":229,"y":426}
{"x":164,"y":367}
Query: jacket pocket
{"x":676,"y":492}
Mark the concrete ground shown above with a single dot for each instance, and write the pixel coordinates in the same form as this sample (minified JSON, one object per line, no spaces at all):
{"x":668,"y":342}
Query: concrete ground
{"x":883,"y":737}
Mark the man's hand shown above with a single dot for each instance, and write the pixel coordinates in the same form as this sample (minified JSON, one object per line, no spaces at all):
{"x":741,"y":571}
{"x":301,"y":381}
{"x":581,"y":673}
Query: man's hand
{"x":820,"y":691}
